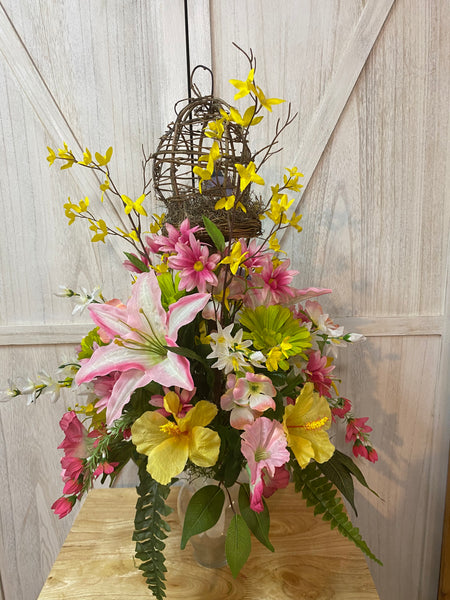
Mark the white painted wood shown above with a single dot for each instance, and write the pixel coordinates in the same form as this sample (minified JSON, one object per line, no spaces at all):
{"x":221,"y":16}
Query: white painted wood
{"x":400,"y":396}
{"x":199,"y":35}
{"x":29,"y":335}
{"x":91,"y":74}
{"x":323,"y":122}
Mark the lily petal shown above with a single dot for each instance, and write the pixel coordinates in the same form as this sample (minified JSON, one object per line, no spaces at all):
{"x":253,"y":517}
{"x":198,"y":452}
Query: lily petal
{"x":110,"y":318}
{"x":112,"y":357}
{"x":184,"y":310}
{"x":122,"y":390}
{"x":144,"y":306}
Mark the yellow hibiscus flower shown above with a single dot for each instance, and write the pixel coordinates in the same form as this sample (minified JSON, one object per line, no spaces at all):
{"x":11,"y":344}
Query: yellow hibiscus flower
{"x":168,"y":444}
{"x":305,"y":424}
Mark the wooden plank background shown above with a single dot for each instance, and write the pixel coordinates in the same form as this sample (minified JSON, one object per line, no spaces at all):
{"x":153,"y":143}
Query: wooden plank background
{"x":370,"y":83}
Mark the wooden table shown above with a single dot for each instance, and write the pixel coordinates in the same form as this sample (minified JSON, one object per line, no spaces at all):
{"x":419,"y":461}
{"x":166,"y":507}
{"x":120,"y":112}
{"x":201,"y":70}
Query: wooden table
{"x":311,"y":561}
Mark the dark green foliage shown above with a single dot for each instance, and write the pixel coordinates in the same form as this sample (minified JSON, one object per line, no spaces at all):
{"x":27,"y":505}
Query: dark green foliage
{"x":203,"y":511}
{"x":319,"y":492}
{"x":258,"y":523}
{"x":340,"y":470}
{"x":230,"y":461}
{"x":238,"y":544}
{"x":137,"y":262}
{"x":150,"y":529}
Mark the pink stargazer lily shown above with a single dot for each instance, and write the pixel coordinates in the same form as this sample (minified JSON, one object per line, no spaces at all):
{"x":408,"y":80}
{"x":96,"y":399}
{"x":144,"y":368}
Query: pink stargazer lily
{"x":140,"y":335}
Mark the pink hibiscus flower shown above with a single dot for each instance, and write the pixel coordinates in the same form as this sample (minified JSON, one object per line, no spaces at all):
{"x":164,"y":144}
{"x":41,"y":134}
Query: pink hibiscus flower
{"x":264,"y":446}
{"x":279,"y":481}
{"x":76,"y":435}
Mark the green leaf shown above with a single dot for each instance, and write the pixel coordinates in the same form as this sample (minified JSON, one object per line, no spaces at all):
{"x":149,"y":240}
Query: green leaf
{"x":187,"y":353}
{"x":348,"y":462}
{"x":319,"y":492}
{"x":203,"y":511}
{"x":339,"y":475}
{"x":215,"y":234}
{"x":258,"y":523}
{"x":150,"y":529}
{"x":134,"y":260}
{"x":238,"y":544}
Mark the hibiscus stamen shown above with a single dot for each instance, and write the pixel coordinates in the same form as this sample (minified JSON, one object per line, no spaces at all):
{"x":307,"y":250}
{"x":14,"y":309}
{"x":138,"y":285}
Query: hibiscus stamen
{"x":311,"y":425}
{"x":170,"y":428}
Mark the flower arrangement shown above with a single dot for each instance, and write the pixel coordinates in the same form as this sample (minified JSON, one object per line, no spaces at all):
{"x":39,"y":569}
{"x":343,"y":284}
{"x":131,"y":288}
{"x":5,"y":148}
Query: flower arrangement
{"x":216,"y":366}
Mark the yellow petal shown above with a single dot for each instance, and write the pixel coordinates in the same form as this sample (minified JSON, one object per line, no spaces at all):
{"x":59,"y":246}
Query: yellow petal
{"x":321,"y":445}
{"x":302,"y":449}
{"x":172,"y":403}
{"x":168,"y":459}
{"x":202,"y":414}
{"x":146,"y":431}
{"x":204,"y":446}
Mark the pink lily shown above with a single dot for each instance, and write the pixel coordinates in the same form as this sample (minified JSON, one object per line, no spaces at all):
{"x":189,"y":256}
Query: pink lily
{"x":140,"y":335}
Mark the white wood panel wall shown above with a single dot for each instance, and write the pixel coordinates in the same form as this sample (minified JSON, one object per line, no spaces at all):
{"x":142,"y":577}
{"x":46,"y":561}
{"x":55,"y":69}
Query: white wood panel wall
{"x":370,"y":82}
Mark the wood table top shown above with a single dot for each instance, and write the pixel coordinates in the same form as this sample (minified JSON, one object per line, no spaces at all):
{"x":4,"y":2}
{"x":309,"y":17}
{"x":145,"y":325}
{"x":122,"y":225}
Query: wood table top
{"x":310,"y":562}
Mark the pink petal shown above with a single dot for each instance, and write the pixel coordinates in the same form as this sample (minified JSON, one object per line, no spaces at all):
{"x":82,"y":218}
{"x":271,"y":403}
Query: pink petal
{"x":115,"y":358}
{"x":311,"y":292}
{"x":173,"y":371}
{"x":145,"y":305}
{"x":123,"y":388}
{"x":183,"y":311}
{"x":110,"y":318}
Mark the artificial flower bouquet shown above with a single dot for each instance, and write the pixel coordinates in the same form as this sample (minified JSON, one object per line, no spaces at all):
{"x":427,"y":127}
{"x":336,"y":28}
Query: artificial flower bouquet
{"x":216,"y":366}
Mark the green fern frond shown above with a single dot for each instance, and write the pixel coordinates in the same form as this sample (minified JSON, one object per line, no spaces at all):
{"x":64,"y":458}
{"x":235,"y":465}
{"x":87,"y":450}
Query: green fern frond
{"x":150,"y":529}
{"x":319,"y":492}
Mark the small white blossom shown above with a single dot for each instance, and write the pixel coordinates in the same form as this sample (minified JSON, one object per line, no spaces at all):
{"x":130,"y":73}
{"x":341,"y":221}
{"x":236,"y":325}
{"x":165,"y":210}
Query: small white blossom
{"x":83,"y":299}
{"x":356,"y":337}
{"x":10,"y":392}
{"x":52,"y":387}
{"x":64,"y":292}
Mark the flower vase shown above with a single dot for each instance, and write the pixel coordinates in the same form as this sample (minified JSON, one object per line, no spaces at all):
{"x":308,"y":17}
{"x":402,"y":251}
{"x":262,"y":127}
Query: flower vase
{"x":209,"y":546}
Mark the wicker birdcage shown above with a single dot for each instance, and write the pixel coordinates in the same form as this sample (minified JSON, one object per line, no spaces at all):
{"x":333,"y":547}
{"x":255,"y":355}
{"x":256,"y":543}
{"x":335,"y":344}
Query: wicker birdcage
{"x":180,"y":150}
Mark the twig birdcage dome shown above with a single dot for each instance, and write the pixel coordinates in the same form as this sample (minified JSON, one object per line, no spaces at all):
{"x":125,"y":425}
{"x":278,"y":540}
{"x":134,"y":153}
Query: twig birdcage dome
{"x":182,"y":147}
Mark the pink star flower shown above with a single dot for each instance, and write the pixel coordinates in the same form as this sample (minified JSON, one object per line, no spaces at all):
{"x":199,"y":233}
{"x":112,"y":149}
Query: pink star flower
{"x":342,"y":407}
{"x":264,"y":446}
{"x":160,"y":243}
{"x":273,"y":282}
{"x":195,"y":264}
{"x":141,"y":334}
